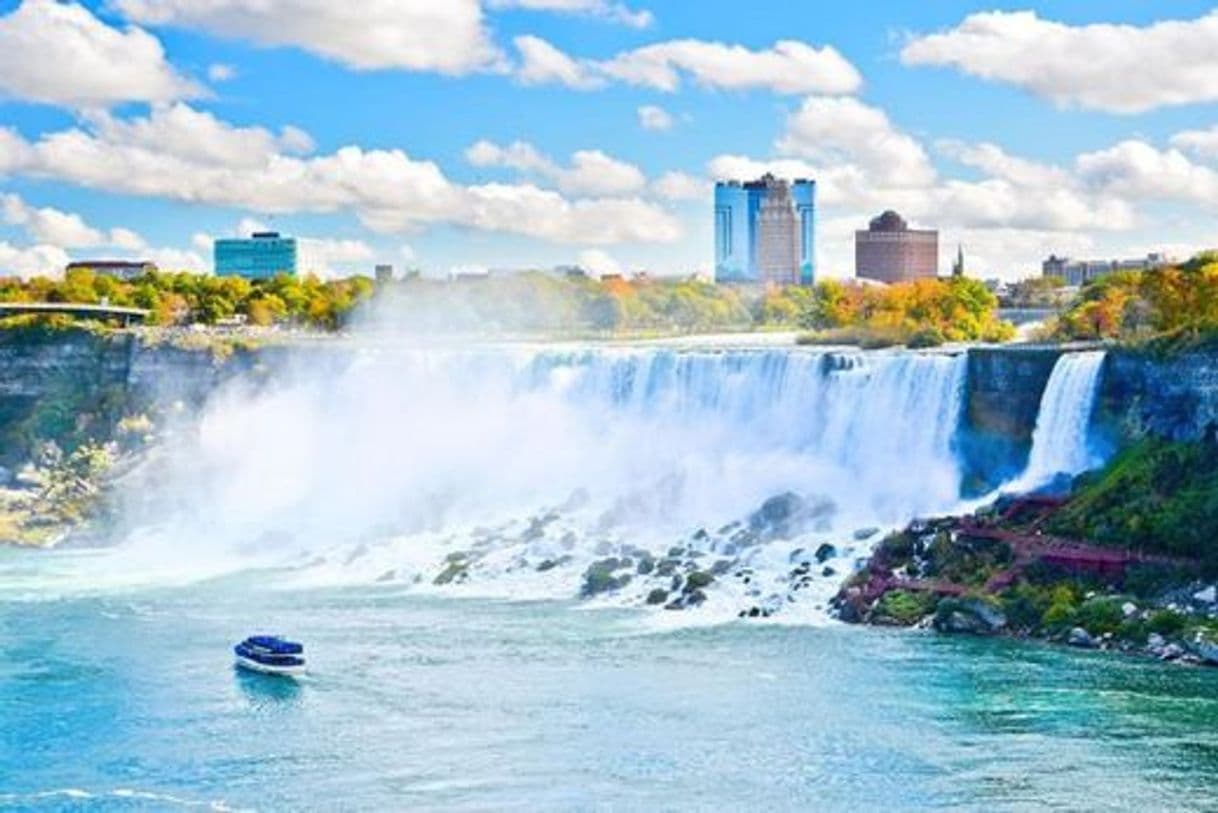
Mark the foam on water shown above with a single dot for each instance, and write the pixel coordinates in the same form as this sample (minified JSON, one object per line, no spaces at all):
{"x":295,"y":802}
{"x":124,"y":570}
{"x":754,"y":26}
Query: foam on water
{"x":507,"y":471}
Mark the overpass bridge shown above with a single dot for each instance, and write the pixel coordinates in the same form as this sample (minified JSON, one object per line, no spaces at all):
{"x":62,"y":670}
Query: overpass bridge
{"x":125,"y":316}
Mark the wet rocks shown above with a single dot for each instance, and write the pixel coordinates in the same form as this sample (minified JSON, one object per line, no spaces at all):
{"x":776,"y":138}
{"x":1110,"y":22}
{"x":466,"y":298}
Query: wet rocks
{"x":1079,"y":637}
{"x":825,"y":552}
{"x":657,"y":596}
{"x":456,"y":569}
{"x":602,"y":577}
{"x":549,"y":564}
{"x":786,"y":514}
{"x":970,"y":616}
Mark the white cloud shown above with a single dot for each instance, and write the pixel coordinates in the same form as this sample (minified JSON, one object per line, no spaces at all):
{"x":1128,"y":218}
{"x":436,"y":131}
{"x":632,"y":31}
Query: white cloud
{"x":612,"y":12}
{"x":249,"y":225}
{"x":1202,"y":143}
{"x":591,"y":172}
{"x":681,"y":186}
{"x":66,"y":230}
{"x":1116,"y":68}
{"x":597,"y":262}
{"x":422,"y":35}
{"x":1137,"y":170}
{"x":33,"y":261}
{"x":59,"y":53}
{"x":215,"y":163}
{"x":328,"y":257}
{"x":652,"y":117}
{"x":219,"y":72}
{"x":541,"y":63}
{"x":788,"y":66}
{"x":60,"y":236}
{"x":832,"y":131}
{"x":176,"y":259}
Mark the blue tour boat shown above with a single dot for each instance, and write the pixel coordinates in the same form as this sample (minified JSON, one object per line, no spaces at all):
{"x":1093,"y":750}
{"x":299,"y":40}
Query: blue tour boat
{"x":271,"y":655}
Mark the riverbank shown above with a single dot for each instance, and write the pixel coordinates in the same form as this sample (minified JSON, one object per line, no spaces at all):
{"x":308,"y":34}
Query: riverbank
{"x":1124,"y":562}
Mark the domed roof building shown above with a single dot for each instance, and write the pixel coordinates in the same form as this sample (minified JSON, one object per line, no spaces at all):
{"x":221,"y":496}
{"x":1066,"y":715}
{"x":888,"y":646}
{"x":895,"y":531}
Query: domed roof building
{"x":889,"y":251}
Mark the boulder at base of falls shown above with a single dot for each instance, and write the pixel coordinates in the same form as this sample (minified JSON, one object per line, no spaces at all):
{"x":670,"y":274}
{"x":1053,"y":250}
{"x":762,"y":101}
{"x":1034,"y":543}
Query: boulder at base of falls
{"x":1080,"y":638}
{"x":786,"y":514}
{"x":971,"y":616}
{"x":600,"y":577}
{"x":825,"y":552}
{"x":1205,"y":647}
{"x":657,"y":596}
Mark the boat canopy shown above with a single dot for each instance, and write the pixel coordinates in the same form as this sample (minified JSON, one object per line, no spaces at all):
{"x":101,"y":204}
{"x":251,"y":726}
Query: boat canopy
{"x":274,"y":644}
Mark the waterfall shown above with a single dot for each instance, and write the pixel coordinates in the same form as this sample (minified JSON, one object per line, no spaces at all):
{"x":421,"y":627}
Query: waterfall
{"x":436,"y":440}
{"x":1060,"y":441}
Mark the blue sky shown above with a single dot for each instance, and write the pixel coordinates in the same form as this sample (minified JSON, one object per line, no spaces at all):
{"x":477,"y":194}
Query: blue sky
{"x":504,"y":133}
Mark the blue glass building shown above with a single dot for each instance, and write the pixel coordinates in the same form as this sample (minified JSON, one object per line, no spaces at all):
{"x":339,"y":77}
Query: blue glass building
{"x":737,"y":236}
{"x":262,"y":256}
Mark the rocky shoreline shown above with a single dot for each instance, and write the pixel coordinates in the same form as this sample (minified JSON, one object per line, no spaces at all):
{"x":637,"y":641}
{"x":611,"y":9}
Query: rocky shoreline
{"x":996,"y":573}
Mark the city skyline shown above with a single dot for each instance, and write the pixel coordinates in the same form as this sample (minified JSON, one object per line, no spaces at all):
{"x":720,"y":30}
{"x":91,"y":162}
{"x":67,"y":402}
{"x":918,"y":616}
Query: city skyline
{"x":542,"y":132}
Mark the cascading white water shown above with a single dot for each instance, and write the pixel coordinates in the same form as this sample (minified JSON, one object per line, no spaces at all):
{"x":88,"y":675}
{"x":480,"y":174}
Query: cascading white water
{"x":438,"y":450}
{"x":1061,"y":439}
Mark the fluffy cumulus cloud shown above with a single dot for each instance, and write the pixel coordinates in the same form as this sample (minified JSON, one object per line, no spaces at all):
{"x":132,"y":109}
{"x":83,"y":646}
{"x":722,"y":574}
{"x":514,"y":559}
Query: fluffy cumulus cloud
{"x":652,"y":117}
{"x":680,"y":186}
{"x":831,"y":131}
{"x":541,"y":64}
{"x":788,"y":66}
{"x":57,"y":236}
{"x":332,"y":257}
{"x":65,"y":230}
{"x":612,"y":12}
{"x":179,"y":153}
{"x":1136,"y":169}
{"x":449,"y":37}
{"x":60,"y":53}
{"x":1202,"y":143}
{"x":1117,"y":68}
{"x":32,"y":261}
{"x":591,"y":172}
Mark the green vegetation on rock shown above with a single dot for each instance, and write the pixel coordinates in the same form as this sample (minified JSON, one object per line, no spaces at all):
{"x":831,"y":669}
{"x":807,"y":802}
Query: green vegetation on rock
{"x":1156,"y":497}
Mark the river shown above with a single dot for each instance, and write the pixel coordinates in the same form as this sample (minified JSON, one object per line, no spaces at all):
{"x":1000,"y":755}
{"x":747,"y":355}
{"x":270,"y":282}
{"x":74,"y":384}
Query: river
{"x":128,"y":701}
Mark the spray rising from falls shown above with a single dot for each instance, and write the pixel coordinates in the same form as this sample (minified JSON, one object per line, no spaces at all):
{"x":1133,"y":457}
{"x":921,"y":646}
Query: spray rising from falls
{"x":516,"y":469}
{"x":1061,"y":440}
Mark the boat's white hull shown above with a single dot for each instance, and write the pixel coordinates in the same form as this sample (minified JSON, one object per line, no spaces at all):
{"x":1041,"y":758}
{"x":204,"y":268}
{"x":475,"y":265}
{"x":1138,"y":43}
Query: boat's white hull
{"x":268,"y":669}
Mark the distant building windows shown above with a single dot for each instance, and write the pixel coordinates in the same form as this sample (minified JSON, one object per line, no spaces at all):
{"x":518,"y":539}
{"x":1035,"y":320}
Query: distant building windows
{"x":262,"y":256}
{"x":1080,"y":272}
{"x":765,"y":231}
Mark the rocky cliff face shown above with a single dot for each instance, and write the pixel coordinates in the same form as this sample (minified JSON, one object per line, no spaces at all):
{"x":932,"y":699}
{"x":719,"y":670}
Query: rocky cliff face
{"x":1002,"y":401}
{"x":1174,"y":397}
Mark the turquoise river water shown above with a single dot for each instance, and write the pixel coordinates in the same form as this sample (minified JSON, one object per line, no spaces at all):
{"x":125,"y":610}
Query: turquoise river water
{"x":127,"y":700}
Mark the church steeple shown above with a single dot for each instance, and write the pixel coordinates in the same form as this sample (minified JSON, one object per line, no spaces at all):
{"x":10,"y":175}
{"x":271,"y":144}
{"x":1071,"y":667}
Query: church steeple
{"x":958,"y":266}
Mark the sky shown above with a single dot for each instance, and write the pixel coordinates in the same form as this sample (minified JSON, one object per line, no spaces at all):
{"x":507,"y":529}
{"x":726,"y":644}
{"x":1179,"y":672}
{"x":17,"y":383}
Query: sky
{"x":463,"y":134}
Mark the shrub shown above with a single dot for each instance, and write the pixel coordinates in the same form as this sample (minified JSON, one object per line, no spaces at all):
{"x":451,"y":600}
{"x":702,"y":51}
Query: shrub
{"x":905,"y":607}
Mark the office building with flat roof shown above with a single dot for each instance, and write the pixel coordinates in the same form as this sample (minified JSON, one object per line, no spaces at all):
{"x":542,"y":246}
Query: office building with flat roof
{"x":263,"y":255}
